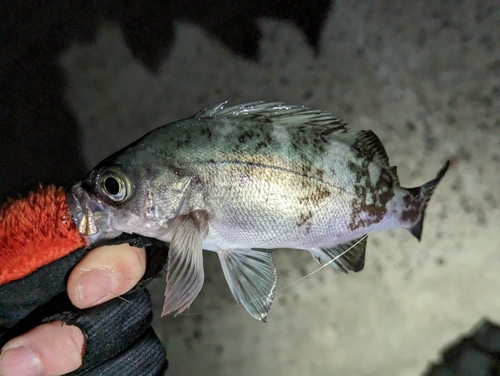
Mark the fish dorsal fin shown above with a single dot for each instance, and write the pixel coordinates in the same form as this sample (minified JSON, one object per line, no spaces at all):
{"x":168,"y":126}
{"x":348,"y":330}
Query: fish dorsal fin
{"x":353,"y":255}
{"x":279,"y":114}
{"x":185,"y":274}
{"x":251,"y":276}
{"x":368,"y":145}
{"x":210,"y":111}
{"x":393,"y":171}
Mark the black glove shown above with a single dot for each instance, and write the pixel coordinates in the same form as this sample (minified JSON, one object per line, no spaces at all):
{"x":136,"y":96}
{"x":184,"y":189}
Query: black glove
{"x":119,"y":337}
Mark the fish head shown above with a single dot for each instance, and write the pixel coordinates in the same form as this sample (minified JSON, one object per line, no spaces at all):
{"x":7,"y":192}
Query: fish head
{"x":134,"y":192}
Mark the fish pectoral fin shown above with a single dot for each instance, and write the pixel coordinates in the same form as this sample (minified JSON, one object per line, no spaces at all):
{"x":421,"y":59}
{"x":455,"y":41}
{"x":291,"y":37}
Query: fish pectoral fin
{"x":346,"y":257}
{"x":185,"y":274}
{"x":251,"y":276}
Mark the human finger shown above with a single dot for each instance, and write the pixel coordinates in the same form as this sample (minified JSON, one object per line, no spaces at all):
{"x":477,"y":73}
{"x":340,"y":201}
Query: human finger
{"x":105,"y":273}
{"x":49,"y":349}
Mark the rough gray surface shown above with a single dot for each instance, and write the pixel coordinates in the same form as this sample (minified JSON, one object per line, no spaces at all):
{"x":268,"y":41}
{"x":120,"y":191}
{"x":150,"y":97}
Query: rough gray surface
{"x":426,"y":78}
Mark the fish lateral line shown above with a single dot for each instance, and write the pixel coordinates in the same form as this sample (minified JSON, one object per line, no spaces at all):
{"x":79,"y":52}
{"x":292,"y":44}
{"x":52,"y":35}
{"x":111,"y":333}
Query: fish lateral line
{"x":277,"y":168}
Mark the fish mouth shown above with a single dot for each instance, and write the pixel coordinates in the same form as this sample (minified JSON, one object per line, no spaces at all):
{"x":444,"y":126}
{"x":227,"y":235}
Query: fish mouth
{"x":91,"y":214}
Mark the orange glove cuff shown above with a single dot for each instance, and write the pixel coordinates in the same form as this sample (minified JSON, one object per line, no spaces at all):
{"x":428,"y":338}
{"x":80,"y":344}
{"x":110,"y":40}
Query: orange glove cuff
{"x":35,"y":231}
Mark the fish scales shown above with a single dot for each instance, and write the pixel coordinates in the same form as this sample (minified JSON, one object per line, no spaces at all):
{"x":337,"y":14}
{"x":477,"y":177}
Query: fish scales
{"x":242,"y":181}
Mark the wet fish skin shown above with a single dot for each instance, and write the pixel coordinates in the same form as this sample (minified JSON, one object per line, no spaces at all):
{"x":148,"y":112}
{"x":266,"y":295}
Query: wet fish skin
{"x":244,"y":180}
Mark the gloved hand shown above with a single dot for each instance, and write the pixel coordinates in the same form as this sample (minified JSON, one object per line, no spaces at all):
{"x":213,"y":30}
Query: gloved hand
{"x":117,"y":337}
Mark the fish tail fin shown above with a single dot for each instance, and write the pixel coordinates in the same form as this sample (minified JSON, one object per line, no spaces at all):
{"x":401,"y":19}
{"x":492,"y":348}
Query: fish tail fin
{"x":422,"y":195}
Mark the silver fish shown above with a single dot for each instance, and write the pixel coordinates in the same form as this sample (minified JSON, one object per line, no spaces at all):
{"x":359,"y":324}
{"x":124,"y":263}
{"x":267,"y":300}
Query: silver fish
{"x":244,"y":180}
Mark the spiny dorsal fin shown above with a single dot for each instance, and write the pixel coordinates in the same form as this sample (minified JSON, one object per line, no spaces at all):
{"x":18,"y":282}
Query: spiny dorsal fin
{"x":279,"y":114}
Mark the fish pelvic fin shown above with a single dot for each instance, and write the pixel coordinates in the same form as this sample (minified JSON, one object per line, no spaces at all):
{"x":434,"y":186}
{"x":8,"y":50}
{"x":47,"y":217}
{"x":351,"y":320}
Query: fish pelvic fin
{"x":251,"y":277}
{"x":349,"y":256}
{"x":421,"y":196}
{"x":185,"y":274}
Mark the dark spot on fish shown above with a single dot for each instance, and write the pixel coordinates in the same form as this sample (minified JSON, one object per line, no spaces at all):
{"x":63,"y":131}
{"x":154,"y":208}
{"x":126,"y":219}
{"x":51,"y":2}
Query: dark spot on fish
{"x":412,"y":209}
{"x":245,"y":135}
{"x":379,"y":194}
{"x":306,"y":169}
{"x":260,"y":145}
{"x":219,"y":349}
{"x":207,"y":132}
{"x":315,"y":197}
{"x":320,"y":173}
{"x":305,"y":219}
{"x":282,"y":300}
{"x":407,"y":199}
{"x":410,"y":214}
{"x":183,"y":139}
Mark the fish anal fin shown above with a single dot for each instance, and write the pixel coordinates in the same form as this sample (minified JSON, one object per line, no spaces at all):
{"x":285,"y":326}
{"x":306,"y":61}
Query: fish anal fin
{"x":251,"y":277}
{"x":185,"y":274}
{"x":349,"y":256}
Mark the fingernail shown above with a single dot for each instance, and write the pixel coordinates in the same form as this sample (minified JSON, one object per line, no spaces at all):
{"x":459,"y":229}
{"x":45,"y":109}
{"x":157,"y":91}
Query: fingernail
{"x":19,"y":361}
{"x":95,"y":286}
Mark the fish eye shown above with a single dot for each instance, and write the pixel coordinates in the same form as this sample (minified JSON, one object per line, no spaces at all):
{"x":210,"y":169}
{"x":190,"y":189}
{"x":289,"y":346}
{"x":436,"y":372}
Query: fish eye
{"x":115,"y":185}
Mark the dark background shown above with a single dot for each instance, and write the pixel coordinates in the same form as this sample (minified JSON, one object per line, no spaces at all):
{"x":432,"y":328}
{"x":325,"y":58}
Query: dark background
{"x":39,"y":137}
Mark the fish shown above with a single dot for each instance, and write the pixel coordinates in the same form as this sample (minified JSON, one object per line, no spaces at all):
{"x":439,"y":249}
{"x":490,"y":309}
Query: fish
{"x":242,"y":181}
